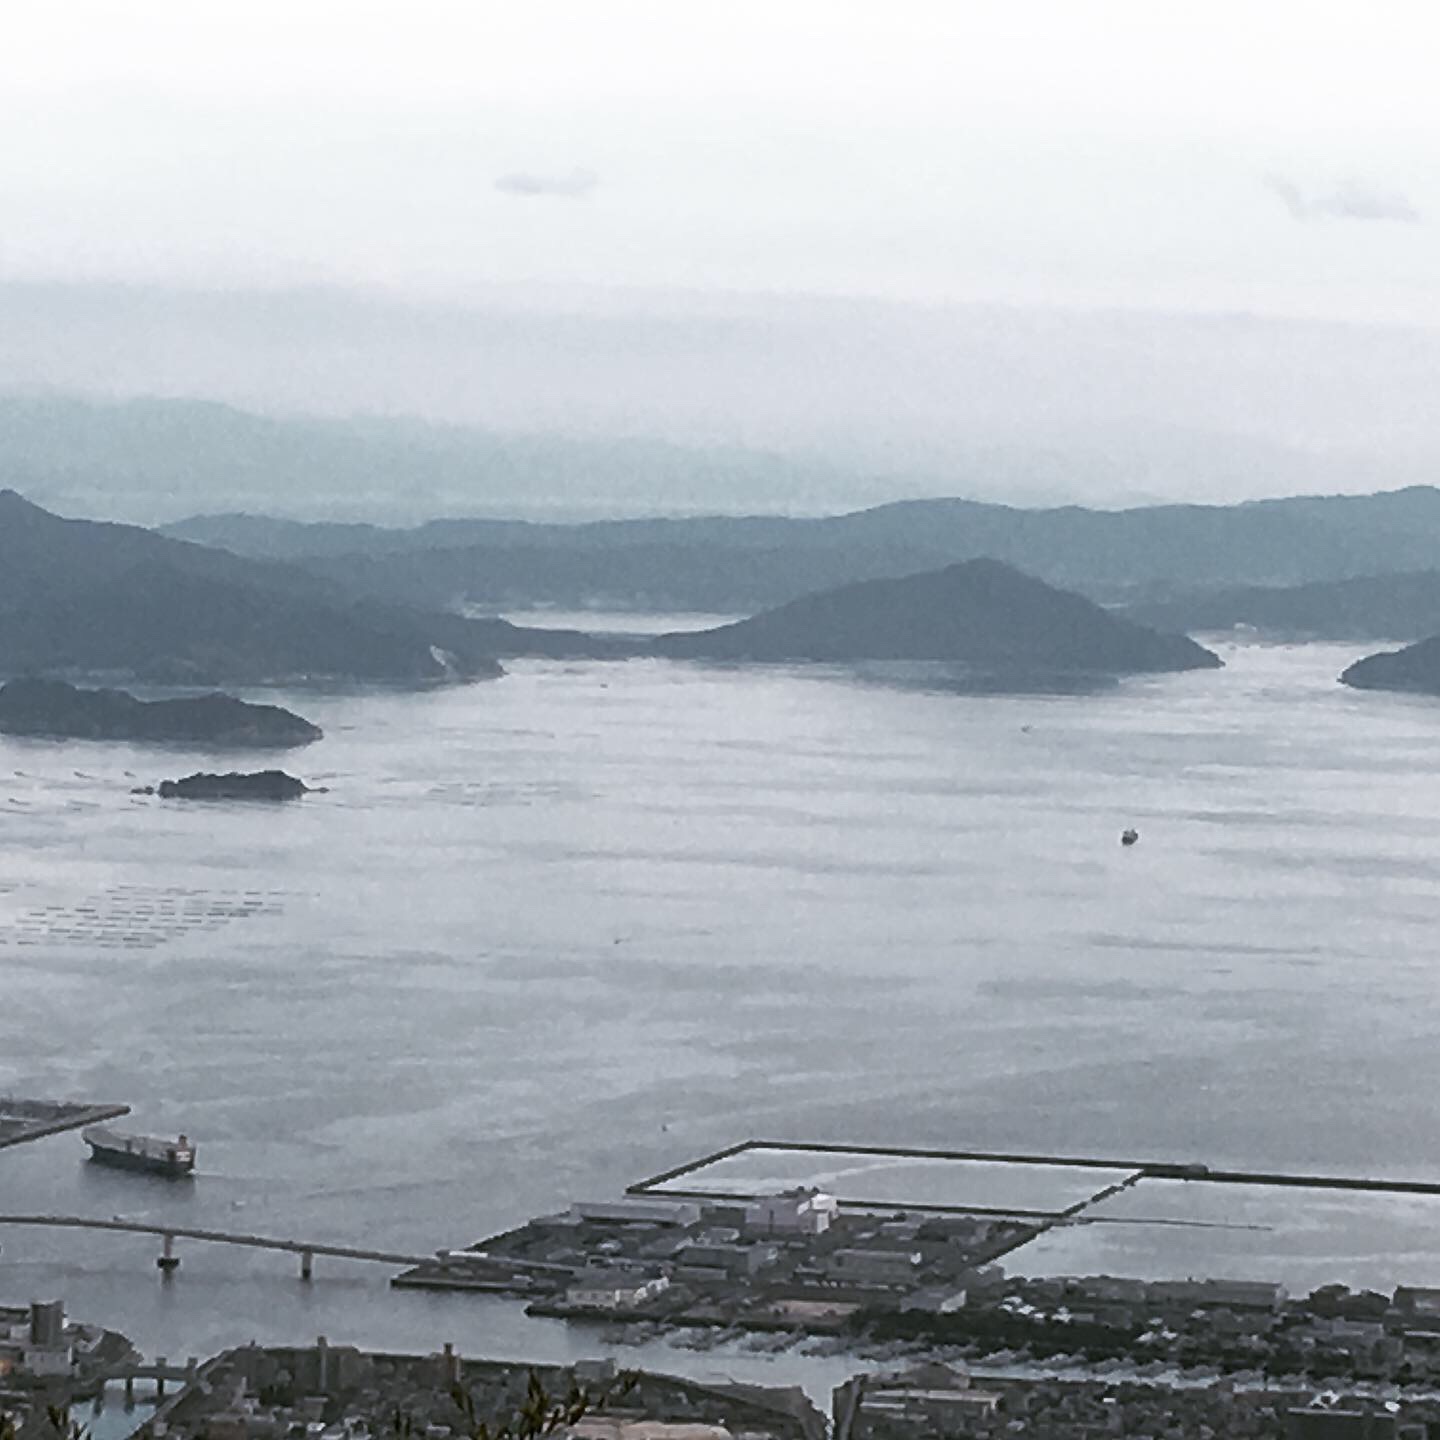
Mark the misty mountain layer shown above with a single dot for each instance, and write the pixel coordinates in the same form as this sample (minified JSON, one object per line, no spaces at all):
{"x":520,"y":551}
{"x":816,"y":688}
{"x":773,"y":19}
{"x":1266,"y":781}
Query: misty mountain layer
{"x":570,"y":401}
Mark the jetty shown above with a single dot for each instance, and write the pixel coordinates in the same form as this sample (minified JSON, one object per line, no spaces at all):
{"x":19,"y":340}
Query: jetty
{"x":23,"y":1119}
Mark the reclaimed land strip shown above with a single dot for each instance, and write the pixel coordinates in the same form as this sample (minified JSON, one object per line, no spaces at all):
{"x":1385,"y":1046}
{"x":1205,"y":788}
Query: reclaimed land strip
{"x":23,"y":1120}
{"x":897,"y":1152}
{"x":996,"y":1212}
{"x":1146,"y":1170}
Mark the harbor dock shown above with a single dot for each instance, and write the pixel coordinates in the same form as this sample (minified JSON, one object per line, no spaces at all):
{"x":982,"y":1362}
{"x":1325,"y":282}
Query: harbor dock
{"x":23,"y":1119}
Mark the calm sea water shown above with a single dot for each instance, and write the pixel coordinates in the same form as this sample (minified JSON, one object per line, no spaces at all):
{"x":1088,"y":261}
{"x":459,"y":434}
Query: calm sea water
{"x":548,"y":935}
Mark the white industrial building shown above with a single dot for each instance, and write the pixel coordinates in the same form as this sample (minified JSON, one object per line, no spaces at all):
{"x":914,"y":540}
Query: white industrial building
{"x":636,"y":1210}
{"x":615,"y":1290}
{"x":802,"y":1211}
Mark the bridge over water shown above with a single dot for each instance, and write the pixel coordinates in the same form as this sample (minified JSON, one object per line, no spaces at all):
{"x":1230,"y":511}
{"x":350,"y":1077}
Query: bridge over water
{"x":168,"y":1260}
{"x":160,"y":1371}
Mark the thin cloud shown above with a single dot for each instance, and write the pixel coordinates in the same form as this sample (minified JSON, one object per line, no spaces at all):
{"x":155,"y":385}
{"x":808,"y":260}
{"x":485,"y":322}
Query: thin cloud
{"x":575,"y":185}
{"x":1349,"y":200}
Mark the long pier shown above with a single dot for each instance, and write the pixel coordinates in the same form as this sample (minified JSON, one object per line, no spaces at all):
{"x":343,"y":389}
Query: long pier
{"x":167,"y":1260}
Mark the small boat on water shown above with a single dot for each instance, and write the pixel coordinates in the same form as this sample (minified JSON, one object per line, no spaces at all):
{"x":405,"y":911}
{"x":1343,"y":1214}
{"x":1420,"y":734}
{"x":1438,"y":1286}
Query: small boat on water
{"x":1129,"y":837}
{"x":139,"y":1152}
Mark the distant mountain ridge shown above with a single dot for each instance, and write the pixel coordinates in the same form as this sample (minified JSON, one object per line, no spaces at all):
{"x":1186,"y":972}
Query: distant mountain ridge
{"x":980,"y":613}
{"x":1371,"y":607}
{"x":725,"y":563}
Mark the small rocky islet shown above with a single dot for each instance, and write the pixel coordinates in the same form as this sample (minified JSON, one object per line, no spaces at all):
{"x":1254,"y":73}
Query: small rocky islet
{"x":257,"y":785}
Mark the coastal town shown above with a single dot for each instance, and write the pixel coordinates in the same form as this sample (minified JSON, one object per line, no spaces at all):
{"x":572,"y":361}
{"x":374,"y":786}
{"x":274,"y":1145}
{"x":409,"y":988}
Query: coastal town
{"x":798,"y":1270}
{"x":793,"y":1260}
{"x":944,"y":1342}
{"x":802,"y":1269}
{"x":930,"y":1311}
{"x":718,"y":721}
{"x":330,"y":1392}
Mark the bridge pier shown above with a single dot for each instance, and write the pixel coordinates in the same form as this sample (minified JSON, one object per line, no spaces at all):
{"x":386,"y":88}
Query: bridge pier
{"x":159,"y":1377}
{"x":129,"y":1392}
{"x":307,"y":1263}
{"x":167,"y":1260}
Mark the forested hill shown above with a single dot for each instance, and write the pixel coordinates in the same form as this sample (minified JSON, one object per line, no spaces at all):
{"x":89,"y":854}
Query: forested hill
{"x":979,"y":613}
{"x":92,"y":598}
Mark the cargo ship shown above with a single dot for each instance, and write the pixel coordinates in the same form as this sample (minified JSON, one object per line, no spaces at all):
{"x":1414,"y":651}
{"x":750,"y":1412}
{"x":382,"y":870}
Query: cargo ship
{"x":140,"y":1152}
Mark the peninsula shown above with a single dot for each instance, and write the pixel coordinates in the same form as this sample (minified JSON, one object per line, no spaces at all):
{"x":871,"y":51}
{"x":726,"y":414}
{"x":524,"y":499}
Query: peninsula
{"x":54,"y":709}
{"x":85,"y":597}
{"x":1416,"y":669}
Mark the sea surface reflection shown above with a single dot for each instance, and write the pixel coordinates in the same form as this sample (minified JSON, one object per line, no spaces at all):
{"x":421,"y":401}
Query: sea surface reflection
{"x":548,"y":935}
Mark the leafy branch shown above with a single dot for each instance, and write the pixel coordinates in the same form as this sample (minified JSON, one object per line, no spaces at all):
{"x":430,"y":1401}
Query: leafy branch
{"x":539,"y":1415}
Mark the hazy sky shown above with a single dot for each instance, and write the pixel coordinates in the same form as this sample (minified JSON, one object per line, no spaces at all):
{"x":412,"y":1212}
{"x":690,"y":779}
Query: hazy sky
{"x":1277,"y":156}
